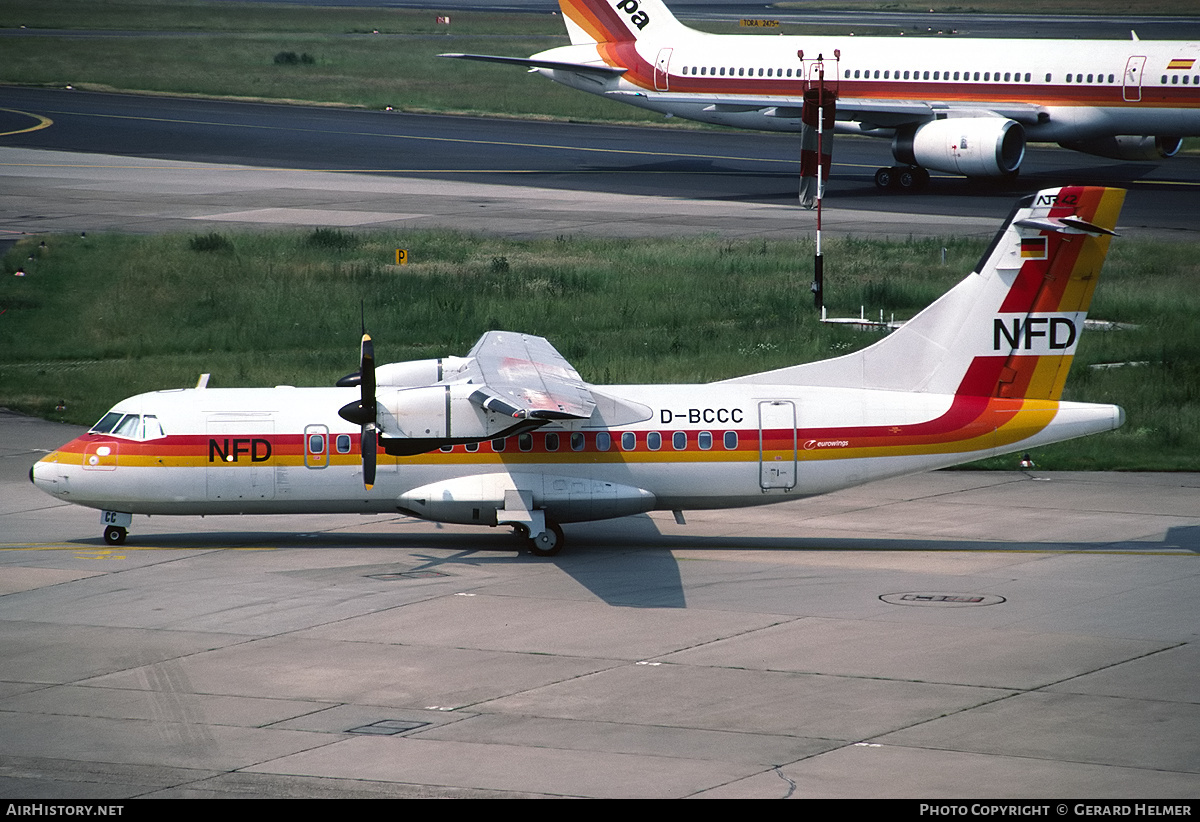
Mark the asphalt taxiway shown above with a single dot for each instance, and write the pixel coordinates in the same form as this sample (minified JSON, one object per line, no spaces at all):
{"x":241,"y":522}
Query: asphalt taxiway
{"x":958,"y":634}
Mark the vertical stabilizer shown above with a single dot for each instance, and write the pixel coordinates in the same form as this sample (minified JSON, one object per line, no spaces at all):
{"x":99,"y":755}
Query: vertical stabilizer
{"x":617,"y":21}
{"x":1009,"y":330}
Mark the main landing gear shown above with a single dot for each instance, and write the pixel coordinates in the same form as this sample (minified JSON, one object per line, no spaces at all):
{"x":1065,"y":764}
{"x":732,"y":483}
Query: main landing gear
{"x":115,"y":535}
{"x":904,"y":178}
{"x":546,"y":544}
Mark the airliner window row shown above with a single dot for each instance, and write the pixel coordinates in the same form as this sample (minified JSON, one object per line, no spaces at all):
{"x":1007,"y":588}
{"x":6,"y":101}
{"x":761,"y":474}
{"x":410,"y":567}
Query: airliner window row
{"x":985,"y":76}
{"x":722,"y":71}
{"x":603,"y":441}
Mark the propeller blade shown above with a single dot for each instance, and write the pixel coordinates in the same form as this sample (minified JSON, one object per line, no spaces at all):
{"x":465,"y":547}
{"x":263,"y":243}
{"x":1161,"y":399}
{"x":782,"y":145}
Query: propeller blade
{"x":368,"y":456}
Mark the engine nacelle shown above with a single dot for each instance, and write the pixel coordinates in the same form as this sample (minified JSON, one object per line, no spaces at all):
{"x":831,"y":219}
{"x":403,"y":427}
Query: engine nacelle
{"x":419,"y":372}
{"x":1129,"y":147}
{"x":439,"y":414}
{"x":974,"y":146}
{"x":480,"y":499}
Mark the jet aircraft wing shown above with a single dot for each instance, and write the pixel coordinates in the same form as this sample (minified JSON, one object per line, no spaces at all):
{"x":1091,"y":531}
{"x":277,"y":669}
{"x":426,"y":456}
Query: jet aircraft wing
{"x":525,"y":376}
{"x":879,"y":113}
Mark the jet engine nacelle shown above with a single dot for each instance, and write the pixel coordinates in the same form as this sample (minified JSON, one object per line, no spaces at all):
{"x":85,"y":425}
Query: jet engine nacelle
{"x":974,"y":146}
{"x":1128,"y":147}
{"x":419,"y":372}
{"x":480,"y":499}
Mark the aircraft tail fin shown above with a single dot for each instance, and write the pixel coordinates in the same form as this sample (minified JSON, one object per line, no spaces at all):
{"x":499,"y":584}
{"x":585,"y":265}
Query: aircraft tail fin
{"x":615,"y":21}
{"x":1010,"y":329}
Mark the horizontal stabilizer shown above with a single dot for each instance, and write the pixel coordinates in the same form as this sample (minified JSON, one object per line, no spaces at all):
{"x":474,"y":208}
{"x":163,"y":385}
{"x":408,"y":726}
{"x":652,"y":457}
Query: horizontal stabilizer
{"x":534,"y":63}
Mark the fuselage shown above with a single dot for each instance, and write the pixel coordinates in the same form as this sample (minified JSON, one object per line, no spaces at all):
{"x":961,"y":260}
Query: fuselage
{"x":1083,"y":88}
{"x":283,"y":450}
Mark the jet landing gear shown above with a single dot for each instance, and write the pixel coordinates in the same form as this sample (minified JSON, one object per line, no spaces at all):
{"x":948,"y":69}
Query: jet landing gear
{"x":904,"y":178}
{"x":546,"y":544}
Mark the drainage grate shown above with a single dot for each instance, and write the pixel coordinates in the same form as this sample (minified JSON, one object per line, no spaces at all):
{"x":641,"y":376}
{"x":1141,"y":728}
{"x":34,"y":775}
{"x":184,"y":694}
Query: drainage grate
{"x":387,"y":727}
{"x":943,"y":600}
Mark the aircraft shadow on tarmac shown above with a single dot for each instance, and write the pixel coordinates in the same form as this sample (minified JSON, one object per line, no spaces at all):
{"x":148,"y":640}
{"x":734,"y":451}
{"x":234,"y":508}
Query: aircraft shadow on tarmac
{"x":633,"y":567}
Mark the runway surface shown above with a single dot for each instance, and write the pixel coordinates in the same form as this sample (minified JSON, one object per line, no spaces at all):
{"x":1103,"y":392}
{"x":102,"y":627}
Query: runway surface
{"x":685,"y":171}
{"x":960,"y":634}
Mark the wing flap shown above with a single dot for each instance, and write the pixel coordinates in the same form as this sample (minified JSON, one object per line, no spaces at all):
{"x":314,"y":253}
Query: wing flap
{"x":525,"y":376}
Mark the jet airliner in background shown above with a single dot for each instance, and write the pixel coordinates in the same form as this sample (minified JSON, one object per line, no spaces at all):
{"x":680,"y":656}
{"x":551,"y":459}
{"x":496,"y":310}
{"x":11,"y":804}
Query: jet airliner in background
{"x":956,"y":105}
{"x":511,"y":435}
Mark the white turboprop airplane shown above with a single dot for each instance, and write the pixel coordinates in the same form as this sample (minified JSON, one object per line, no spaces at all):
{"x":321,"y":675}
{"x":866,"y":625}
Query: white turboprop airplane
{"x":512,"y":435}
{"x":956,"y":105}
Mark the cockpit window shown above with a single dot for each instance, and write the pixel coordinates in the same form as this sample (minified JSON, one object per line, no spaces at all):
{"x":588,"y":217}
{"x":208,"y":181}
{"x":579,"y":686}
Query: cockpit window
{"x":129,"y":426}
{"x":107,"y":423}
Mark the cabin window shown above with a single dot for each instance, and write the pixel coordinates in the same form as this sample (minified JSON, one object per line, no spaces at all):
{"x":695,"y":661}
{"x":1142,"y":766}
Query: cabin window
{"x":1047,"y":77}
{"x":936,"y":75}
{"x":679,"y":441}
{"x":956,"y":75}
{"x":498,"y":444}
{"x":876,"y":74}
{"x":731,"y":440}
{"x":654,"y":440}
{"x":577,"y":441}
{"x":1027,"y":77}
{"x":887,"y":75}
{"x":342,"y":443}
{"x":1089,"y":78}
{"x":976,"y":75}
{"x":847,"y":74}
{"x":906,"y":75}
{"x":1110,"y":78}
{"x":603,"y":441}
{"x":856,"y":74}
{"x":1069,"y":78}
{"x":1007,"y":76}
{"x":525,"y":442}
{"x":926,"y":76}
{"x":316,"y":444}
{"x":628,"y":441}
{"x":552,"y":442}
{"x":741,"y":72}
{"x":704,"y":440}
{"x":1175,"y":80}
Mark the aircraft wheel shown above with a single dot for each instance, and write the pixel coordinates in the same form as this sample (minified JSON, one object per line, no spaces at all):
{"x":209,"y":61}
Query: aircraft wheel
{"x":912,"y":179}
{"x":549,"y":542}
{"x":885,"y":178}
{"x":115,"y":535}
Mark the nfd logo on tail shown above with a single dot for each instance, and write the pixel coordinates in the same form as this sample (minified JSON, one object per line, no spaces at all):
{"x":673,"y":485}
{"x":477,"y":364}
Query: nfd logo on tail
{"x":517,"y":437}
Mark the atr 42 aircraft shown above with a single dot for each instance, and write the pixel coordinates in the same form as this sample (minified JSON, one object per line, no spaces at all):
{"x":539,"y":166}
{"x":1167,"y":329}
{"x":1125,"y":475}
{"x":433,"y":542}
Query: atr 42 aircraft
{"x":512,"y":435}
{"x":961,"y":106}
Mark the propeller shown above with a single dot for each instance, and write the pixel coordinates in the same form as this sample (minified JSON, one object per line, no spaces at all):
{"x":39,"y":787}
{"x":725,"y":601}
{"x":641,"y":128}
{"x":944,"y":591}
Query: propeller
{"x":363,"y":411}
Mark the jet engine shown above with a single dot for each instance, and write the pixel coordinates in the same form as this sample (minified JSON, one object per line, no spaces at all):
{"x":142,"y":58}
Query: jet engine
{"x":973,"y":146}
{"x":1129,"y":147}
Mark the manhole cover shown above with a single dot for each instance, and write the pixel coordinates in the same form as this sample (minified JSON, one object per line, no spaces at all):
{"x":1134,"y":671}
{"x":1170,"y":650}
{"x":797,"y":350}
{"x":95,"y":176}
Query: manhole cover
{"x":408,"y":575}
{"x":387,"y":727}
{"x":938,"y":599}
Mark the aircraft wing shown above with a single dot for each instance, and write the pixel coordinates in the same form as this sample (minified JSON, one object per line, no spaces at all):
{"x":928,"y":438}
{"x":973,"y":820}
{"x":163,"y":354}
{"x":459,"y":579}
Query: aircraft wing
{"x":878,"y":113}
{"x":525,"y":376}
{"x":532,"y":63}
